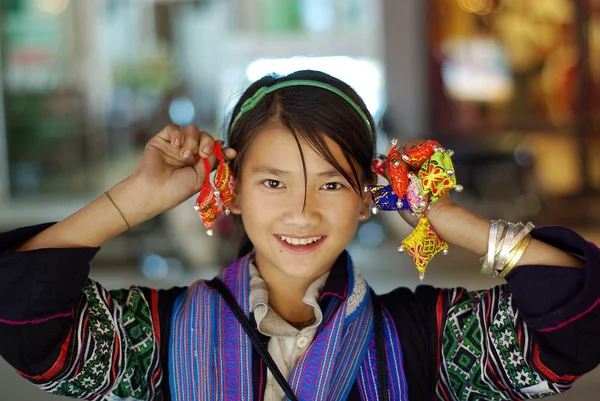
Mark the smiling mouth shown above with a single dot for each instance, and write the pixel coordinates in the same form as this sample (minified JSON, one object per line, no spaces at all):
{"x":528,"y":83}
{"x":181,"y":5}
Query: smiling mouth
{"x":300,"y":241}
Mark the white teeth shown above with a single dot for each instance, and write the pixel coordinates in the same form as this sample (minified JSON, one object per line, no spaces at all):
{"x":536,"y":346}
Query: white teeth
{"x":297,"y":241}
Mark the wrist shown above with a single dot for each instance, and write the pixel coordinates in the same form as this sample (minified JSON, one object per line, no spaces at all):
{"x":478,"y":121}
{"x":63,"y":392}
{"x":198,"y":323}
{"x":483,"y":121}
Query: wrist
{"x":442,"y":218}
{"x":460,"y":227}
{"x":133,"y":202}
{"x":443,"y":215}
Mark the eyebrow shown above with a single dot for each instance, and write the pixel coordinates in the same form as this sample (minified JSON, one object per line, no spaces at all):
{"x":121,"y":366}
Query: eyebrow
{"x":330,"y":174}
{"x":264,"y":169}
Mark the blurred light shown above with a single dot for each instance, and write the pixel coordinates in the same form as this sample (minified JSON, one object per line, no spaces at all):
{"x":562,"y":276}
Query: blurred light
{"x":182,"y":111}
{"x":154,"y":267}
{"x":318,"y":15}
{"x":476,"y":69}
{"x":365,"y":76}
{"x":176,"y":269}
{"x":480,"y":7}
{"x":27,"y":176}
{"x":523,"y":156}
{"x":463,"y":6}
{"x":53,"y":7}
{"x":371,"y":234}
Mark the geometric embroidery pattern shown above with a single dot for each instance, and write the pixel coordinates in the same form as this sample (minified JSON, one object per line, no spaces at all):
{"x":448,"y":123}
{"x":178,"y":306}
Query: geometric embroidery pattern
{"x":487,"y":350}
{"x":113,"y":351}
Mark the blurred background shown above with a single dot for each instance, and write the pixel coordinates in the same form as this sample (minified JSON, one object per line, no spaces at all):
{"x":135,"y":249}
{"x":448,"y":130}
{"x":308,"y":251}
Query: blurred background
{"x":511,"y":85}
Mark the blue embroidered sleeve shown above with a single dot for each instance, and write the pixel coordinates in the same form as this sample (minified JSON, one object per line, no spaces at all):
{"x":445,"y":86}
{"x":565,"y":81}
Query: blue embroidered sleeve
{"x":112,"y":351}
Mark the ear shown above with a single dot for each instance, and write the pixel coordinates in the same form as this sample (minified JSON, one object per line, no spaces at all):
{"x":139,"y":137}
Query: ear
{"x":235,"y":206}
{"x":365,"y":207}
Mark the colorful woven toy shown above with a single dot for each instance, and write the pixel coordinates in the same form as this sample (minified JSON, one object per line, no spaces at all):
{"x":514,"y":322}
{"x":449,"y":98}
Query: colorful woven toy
{"x":213,"y":201}
{"x":396,"y":172}
{"x":386,"y":199}
{"x":418,"y":178}
{"x":423,"y":244}
{"x":223,"y":178}
{"x":437,"y":175}
{"x":417,"y":198}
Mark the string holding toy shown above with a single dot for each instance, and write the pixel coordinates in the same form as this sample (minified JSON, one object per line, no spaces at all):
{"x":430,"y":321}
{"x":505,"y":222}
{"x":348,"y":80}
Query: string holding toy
{"x":417,"y":178}
{"x":214,"y":201}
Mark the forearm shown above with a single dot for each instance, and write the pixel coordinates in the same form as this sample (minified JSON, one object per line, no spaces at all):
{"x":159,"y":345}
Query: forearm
{"x":460,"y":227}
{"x":94,"y":224}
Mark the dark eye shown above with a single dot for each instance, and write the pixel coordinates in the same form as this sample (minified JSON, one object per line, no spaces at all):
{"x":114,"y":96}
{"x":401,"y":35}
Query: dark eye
{"x":272,"y":183}
{"x":332,"y":186}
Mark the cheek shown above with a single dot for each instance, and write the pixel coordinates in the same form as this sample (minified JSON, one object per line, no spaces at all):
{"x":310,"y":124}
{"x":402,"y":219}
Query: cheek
{"x":256,"y":208}
{"x":343,"y":212}
{"x":254,"y":200}
{"x":349,"y":202}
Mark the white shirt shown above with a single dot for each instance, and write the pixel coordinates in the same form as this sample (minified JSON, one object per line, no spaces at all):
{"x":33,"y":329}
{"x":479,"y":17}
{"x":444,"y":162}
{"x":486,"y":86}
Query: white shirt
{"x":287,"y":344}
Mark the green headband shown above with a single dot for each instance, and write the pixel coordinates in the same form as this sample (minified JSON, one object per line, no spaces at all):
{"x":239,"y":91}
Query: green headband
{"x":265,"y":90}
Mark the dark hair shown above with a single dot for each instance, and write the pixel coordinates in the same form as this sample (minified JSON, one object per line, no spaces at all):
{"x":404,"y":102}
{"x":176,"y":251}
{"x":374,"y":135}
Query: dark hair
{"x":308,"y":113}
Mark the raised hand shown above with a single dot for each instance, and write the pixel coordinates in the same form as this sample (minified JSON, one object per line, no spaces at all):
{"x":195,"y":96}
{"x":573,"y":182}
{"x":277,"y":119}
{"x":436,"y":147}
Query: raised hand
{"x":171,"y":169}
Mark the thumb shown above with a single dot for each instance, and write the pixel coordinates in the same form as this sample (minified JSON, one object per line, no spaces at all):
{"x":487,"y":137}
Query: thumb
{"x":229,"y":154}
{"x":410,"y":218}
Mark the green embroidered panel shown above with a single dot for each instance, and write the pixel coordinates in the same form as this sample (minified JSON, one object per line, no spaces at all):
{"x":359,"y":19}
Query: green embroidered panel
{"x":482,"y":356}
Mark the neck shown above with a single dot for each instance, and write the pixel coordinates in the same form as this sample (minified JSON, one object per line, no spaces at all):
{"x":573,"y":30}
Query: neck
{"x":287,"y":300}
{"x":286,"y":295}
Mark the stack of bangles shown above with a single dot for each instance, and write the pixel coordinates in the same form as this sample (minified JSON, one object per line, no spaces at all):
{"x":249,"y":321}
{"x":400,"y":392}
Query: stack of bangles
{"x":507,"y":244}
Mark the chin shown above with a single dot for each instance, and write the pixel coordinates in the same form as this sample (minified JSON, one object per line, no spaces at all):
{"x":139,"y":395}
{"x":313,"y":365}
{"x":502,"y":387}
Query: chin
{"x":299,"y":270}
{"x":296,"y":266}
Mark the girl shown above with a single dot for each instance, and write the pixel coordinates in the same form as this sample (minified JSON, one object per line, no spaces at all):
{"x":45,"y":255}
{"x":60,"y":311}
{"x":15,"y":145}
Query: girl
{"x":292,"y":317}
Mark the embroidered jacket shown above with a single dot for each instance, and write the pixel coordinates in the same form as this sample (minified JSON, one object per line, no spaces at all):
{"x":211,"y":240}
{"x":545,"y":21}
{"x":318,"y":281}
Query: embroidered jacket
{"x":531,"y":337}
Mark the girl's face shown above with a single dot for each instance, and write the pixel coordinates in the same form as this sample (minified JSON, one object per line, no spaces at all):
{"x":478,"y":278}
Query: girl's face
{"x":292,"y":243}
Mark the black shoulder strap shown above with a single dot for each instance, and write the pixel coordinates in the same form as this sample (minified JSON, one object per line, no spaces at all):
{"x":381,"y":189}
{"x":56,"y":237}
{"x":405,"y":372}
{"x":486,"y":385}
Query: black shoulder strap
{"x":381,"y":356}
{"x":258,"y":345}
{"x":382,"y":384}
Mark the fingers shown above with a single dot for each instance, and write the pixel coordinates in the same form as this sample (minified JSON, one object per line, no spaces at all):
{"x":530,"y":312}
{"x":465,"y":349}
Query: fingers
{"x":229,"y":153}
{"x":190,"y":144}
{"x":172,"y":134}
{"x":206,"y":144}
{"x":411,"y":219}
{"x":191,"y":139}
{"x":412,"y":144}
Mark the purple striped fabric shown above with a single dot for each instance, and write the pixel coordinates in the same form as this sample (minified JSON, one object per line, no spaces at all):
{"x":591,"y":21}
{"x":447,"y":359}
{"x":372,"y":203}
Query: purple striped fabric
{"x":211,"y":355}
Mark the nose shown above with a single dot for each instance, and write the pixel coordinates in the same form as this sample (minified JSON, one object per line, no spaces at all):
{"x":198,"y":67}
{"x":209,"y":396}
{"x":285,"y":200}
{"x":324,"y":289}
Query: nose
{"x":302,"y":212}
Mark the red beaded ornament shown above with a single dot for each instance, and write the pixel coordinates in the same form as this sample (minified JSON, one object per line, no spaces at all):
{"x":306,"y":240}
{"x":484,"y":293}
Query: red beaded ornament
{"x":417,"y":156}
{"x":223,"y":178}
{"x":208,"y":203}
{"x":396,"y":172}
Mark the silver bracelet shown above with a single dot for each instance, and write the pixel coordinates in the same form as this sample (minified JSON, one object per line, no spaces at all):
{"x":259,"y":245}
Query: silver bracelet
{"x":504,"y":253}
{"x":503,"y":239}
{"x":523,"y":233}
{"x":520,"y":233}
{"x":489,"y":258}
{"x":497,"y":229}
